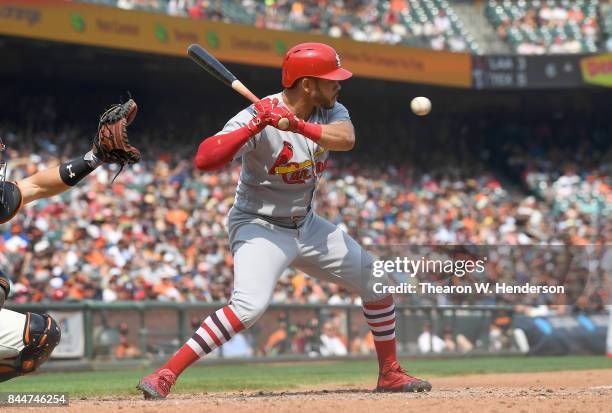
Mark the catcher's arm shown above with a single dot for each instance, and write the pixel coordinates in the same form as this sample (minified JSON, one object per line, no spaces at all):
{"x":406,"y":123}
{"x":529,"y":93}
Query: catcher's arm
{"x":110,"y":146}
{"x":43,"y":184}
{"x":53,"y":181}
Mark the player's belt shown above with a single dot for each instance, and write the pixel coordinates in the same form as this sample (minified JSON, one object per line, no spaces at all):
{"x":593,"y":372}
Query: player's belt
{"x":292,"y":222}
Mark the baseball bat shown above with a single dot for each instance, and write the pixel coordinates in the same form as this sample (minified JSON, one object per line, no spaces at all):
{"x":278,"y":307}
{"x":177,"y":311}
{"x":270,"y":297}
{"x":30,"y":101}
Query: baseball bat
{"x":208,"y":62}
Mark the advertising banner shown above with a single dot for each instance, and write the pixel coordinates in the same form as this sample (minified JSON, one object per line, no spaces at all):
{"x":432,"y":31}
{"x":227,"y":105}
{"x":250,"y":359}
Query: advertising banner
{"x":72,"y":344}
{"x":565,"y":334}
{"x":597,"y":70}
{"x":111,"y":27}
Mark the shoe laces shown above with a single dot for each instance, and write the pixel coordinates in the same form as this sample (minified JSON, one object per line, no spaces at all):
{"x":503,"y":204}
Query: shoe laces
{"x":395,"y":368}
{"x":167,"y":380}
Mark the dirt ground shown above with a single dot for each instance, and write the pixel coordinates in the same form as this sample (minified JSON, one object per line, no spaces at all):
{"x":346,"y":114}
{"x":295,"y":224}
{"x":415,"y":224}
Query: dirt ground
{"x":572,"y":392}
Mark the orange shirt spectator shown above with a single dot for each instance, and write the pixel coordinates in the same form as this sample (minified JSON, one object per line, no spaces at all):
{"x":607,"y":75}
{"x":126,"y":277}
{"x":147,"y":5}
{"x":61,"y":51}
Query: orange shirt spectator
{"x":398,"y":5}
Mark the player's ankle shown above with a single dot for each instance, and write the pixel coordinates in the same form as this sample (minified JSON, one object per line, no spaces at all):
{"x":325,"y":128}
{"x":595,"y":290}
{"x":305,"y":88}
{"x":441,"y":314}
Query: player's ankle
{"x":387,"y":364}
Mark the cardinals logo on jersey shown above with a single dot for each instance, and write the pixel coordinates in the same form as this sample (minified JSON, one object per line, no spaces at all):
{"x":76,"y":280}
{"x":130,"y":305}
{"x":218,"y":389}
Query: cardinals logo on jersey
{"x":295,"y":172}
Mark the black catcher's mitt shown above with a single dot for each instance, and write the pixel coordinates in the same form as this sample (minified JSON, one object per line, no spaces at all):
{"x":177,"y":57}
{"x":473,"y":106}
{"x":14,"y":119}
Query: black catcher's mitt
{"x":111,"y":144}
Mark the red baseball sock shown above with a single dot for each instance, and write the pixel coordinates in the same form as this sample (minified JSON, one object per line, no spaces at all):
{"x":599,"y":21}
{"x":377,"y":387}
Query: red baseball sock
{"x":216,"y":329}
{"x":380,"y":316}
{"x":184,"y":358}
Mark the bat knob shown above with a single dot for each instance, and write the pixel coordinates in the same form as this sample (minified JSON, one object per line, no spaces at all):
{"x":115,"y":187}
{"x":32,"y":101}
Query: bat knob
{"x":283,"y":124}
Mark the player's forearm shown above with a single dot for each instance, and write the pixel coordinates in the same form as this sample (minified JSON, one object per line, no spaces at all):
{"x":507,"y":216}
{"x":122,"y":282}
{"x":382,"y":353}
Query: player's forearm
{"x":54,"y":181}
{"x":42,"y":184}
{"x":218,"y":150}
{"x":333,"y":137}
{"x":337,"y":137}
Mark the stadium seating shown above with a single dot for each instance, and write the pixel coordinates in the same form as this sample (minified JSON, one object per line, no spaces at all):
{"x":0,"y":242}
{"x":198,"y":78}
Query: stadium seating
{"x":546,"y":26}
{"x":418,"y":23}
{"x":162,"y":220}
{"x":529,"y":27}
{"x":606,"y":24}
{"x":423,"y":12}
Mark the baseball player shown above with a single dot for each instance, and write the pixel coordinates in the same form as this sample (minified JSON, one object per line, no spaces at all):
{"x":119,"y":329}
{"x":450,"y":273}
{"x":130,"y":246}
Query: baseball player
{"x":271,"y":224}
{"x":27,"y":340}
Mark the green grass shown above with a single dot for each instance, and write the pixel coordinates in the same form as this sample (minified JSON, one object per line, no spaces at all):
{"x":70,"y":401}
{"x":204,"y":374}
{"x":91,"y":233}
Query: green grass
{"x":286,"y":376}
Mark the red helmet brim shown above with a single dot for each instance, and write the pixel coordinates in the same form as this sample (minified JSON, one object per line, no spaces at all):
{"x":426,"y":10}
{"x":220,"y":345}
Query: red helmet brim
{"x":337,"y":74}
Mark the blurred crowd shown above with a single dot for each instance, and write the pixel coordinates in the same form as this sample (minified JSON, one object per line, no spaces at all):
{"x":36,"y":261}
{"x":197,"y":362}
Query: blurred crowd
{"x":329,"y":335}
{"x":606,"y":23}
{"x":423,"y":23}
{"x":530,"y":27}
{"x":547,"y":27}
{"x":158,"y":232}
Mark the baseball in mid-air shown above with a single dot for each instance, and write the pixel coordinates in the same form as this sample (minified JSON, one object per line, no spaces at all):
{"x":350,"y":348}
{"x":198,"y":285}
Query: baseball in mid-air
{"x":421,"y":106}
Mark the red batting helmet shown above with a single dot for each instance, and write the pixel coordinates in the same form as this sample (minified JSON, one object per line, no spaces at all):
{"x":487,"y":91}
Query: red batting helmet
{"x":312,"y":60}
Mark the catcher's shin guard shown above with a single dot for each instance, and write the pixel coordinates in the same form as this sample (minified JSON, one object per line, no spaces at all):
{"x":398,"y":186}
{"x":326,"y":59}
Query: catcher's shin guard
{"x":8,"y":372}
{"x":41,"y":335}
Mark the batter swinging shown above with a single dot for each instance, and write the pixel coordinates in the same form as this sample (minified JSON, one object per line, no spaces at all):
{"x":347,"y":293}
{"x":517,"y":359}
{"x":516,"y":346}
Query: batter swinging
{"x":271,"y":225}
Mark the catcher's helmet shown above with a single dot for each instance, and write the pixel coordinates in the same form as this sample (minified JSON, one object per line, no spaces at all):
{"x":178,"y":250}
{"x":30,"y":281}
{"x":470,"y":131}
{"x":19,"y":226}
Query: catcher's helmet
{"x":312,"y":60}
{"x":11,"y":200}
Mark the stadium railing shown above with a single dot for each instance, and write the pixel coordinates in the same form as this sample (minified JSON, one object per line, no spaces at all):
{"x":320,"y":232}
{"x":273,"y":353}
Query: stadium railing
{"x":91,"y":329}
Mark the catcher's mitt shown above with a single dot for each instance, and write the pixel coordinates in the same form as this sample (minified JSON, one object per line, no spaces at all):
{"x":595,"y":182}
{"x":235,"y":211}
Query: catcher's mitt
{"x":111,"y":144}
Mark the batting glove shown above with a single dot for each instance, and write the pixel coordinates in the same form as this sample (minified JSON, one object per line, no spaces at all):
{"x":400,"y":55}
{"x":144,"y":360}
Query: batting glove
{"x":281,"y":112}
{"x":312,"y":131}
{"x":262,"y":117}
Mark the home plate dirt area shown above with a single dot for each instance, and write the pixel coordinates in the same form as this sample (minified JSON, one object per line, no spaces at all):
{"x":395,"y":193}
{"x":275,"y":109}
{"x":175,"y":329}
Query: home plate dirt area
{"x":564,"y":391}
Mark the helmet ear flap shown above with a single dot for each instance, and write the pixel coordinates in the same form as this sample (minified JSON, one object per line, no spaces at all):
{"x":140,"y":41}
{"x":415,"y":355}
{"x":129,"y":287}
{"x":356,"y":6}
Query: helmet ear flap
{"x":297,"y":82}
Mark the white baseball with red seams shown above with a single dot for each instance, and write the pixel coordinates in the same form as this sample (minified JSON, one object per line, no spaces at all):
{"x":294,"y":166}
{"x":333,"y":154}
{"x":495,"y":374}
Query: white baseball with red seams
{"x":421,"y":106}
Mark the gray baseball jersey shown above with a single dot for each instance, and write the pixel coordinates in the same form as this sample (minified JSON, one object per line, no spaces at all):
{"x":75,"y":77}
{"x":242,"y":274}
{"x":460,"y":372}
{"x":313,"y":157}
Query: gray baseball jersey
{"x":271,"y":226}
{"x":280,"y":169}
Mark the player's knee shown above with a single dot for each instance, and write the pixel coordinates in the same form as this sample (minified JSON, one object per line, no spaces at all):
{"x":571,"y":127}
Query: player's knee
{"x":42,"y":335}
{"x":376,"y":300}
{"x":249,"y":312}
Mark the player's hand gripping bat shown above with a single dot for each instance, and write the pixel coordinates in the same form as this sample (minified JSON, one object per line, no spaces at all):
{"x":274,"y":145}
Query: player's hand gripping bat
{"x":209,"y":63}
